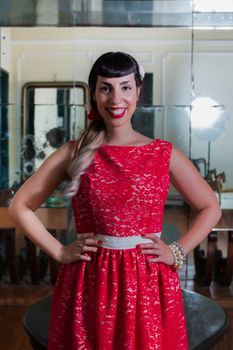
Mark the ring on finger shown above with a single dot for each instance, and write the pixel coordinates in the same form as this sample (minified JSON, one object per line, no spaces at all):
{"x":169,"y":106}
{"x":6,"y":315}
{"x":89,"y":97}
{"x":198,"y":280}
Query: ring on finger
{"x":81,"y":244}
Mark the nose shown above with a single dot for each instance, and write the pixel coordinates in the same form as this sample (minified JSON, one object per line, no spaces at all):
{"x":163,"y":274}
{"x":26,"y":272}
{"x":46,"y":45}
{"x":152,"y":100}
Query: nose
{"x":115,"y":96}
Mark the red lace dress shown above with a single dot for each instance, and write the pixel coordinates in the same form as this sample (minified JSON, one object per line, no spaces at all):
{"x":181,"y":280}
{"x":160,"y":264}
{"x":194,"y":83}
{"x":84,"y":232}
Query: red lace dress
{"x":119,"y":300}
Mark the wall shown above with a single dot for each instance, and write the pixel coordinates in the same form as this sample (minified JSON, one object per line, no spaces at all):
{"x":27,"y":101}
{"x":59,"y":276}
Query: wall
{"x":40,"y":54}
{"x":5,"y":58}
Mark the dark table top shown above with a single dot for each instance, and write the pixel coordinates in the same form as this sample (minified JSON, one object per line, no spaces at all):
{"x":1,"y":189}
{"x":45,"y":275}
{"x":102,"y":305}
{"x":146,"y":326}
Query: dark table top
{"x":206,"y":321}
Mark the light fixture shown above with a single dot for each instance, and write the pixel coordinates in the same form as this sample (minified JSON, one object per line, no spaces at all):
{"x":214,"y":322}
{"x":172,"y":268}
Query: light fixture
{"x":205,"y":113}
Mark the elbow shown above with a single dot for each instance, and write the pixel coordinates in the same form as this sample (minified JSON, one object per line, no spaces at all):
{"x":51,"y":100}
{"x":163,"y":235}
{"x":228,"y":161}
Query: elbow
{"x":213,"y":210}
{"x":14,"y":208}
{"x":17,"y":206}
{"x":217,"y":211}
{"x":16,"y":211}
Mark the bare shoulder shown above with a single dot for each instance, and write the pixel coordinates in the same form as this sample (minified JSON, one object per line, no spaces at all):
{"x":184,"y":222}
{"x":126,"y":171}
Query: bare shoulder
{"x":67,"y":150}
{"x":179,"y":161}
{"x":181,"y":167}
{"x":56,"y":165}
{"x":188,"y":181}
{"x":47,"y":177}
{"x":61,"y":158}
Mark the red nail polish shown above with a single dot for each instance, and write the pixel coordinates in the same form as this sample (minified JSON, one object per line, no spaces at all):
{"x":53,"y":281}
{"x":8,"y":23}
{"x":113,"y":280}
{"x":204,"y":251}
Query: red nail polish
{"x":138,"y":246}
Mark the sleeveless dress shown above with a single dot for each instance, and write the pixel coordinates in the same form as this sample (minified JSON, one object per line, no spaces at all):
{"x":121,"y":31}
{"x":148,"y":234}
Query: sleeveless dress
{"x":119,"y":300}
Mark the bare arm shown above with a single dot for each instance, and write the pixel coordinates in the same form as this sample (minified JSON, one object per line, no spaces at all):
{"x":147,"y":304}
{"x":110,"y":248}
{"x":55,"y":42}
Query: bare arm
{"x":201,"y":198}
{"x":33,"y":194}
{"x":190,"y":184}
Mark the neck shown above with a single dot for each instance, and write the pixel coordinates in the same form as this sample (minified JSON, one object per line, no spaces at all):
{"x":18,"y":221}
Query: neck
{"x":120,"y":135}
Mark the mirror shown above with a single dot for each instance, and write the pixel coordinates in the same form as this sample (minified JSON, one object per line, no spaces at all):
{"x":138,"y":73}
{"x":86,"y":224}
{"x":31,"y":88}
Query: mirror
{"x":48,"y":47}
{"x":53,"y":113}
{"x":183,"y":55}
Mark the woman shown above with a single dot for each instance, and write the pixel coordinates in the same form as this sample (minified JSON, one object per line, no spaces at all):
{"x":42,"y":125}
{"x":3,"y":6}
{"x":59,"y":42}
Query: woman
{"x":118,"y":286}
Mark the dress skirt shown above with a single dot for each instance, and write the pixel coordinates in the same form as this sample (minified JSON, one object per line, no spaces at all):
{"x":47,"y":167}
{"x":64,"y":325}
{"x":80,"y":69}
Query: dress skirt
{"x":117,"y":301}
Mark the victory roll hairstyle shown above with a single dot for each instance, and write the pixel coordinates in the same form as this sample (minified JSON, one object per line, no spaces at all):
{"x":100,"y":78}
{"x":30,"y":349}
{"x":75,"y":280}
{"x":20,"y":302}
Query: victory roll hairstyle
{"x":111,"y":65}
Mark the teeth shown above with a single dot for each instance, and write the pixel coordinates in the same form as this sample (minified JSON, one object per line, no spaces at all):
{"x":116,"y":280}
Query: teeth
{"x":116,"y":111}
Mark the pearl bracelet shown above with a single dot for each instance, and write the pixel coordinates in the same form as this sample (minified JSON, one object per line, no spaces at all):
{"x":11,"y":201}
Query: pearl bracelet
{"x":179,"y":255}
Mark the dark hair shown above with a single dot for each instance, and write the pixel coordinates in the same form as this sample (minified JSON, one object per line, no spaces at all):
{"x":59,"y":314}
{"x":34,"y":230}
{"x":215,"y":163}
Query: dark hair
{"x":113,"y":64}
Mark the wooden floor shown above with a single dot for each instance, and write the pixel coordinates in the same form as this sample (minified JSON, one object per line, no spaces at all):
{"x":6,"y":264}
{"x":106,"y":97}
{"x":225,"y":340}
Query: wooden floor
{"x":12,"y":335}
{"x":14,"y":301}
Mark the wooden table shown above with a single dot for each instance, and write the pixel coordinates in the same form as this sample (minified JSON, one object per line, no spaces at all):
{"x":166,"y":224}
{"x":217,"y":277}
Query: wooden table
{"x":214,"y":264}
{"x":55,"y":219}
{"x":206,"y":322}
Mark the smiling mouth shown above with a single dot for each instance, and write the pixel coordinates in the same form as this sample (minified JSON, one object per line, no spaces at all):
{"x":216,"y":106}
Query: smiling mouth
{"x":117,"y":112}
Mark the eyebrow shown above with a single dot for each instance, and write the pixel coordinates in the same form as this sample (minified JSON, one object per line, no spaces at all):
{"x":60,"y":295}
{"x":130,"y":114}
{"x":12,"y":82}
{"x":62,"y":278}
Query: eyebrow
{"x":123,"y":82}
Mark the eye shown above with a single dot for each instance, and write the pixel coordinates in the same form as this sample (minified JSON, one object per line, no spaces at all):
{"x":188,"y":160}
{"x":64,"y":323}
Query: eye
{"x":104,"y":89}
{"x":126,"y":88}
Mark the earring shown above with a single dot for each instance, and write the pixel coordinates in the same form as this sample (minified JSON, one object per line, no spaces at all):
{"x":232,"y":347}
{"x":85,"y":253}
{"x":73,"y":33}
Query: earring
{"x":94,"y":114}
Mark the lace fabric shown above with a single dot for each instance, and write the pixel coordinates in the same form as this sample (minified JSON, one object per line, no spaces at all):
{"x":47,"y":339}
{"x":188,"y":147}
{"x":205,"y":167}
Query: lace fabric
{"x":119,"y":300}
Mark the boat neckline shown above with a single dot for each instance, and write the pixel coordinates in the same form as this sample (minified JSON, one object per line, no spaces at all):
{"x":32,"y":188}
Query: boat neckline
{"x":129,"y":146}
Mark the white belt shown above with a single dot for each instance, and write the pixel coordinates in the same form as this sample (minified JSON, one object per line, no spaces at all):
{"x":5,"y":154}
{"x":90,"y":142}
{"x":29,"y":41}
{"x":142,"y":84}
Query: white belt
{"x":113,"y":242}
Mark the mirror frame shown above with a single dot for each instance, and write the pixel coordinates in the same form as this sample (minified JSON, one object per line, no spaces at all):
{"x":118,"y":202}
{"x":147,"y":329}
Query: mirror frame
{"x":49,"y":84}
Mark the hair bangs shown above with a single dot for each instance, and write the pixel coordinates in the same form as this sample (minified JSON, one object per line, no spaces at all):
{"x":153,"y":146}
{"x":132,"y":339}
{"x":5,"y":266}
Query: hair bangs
{"x":113,"y":65}
{"x":116,"y":67}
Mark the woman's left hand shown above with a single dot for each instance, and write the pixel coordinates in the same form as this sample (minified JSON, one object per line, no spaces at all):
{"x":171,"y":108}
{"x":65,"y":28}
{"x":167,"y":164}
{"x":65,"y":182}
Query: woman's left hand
{"x":158,"y":248}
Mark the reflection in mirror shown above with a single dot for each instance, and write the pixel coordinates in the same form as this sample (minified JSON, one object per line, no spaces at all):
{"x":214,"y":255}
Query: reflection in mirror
{"x":53,"y":113}
{"x":186,"y":57}
{"x":143,"y":119}
{"x":211,"y":117}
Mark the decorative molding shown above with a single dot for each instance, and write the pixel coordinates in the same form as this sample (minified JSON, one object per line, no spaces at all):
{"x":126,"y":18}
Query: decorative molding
{"x":126,"y":42}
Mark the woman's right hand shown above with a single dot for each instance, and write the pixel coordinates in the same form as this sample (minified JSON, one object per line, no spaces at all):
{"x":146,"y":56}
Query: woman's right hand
{"x":75,"y":251}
